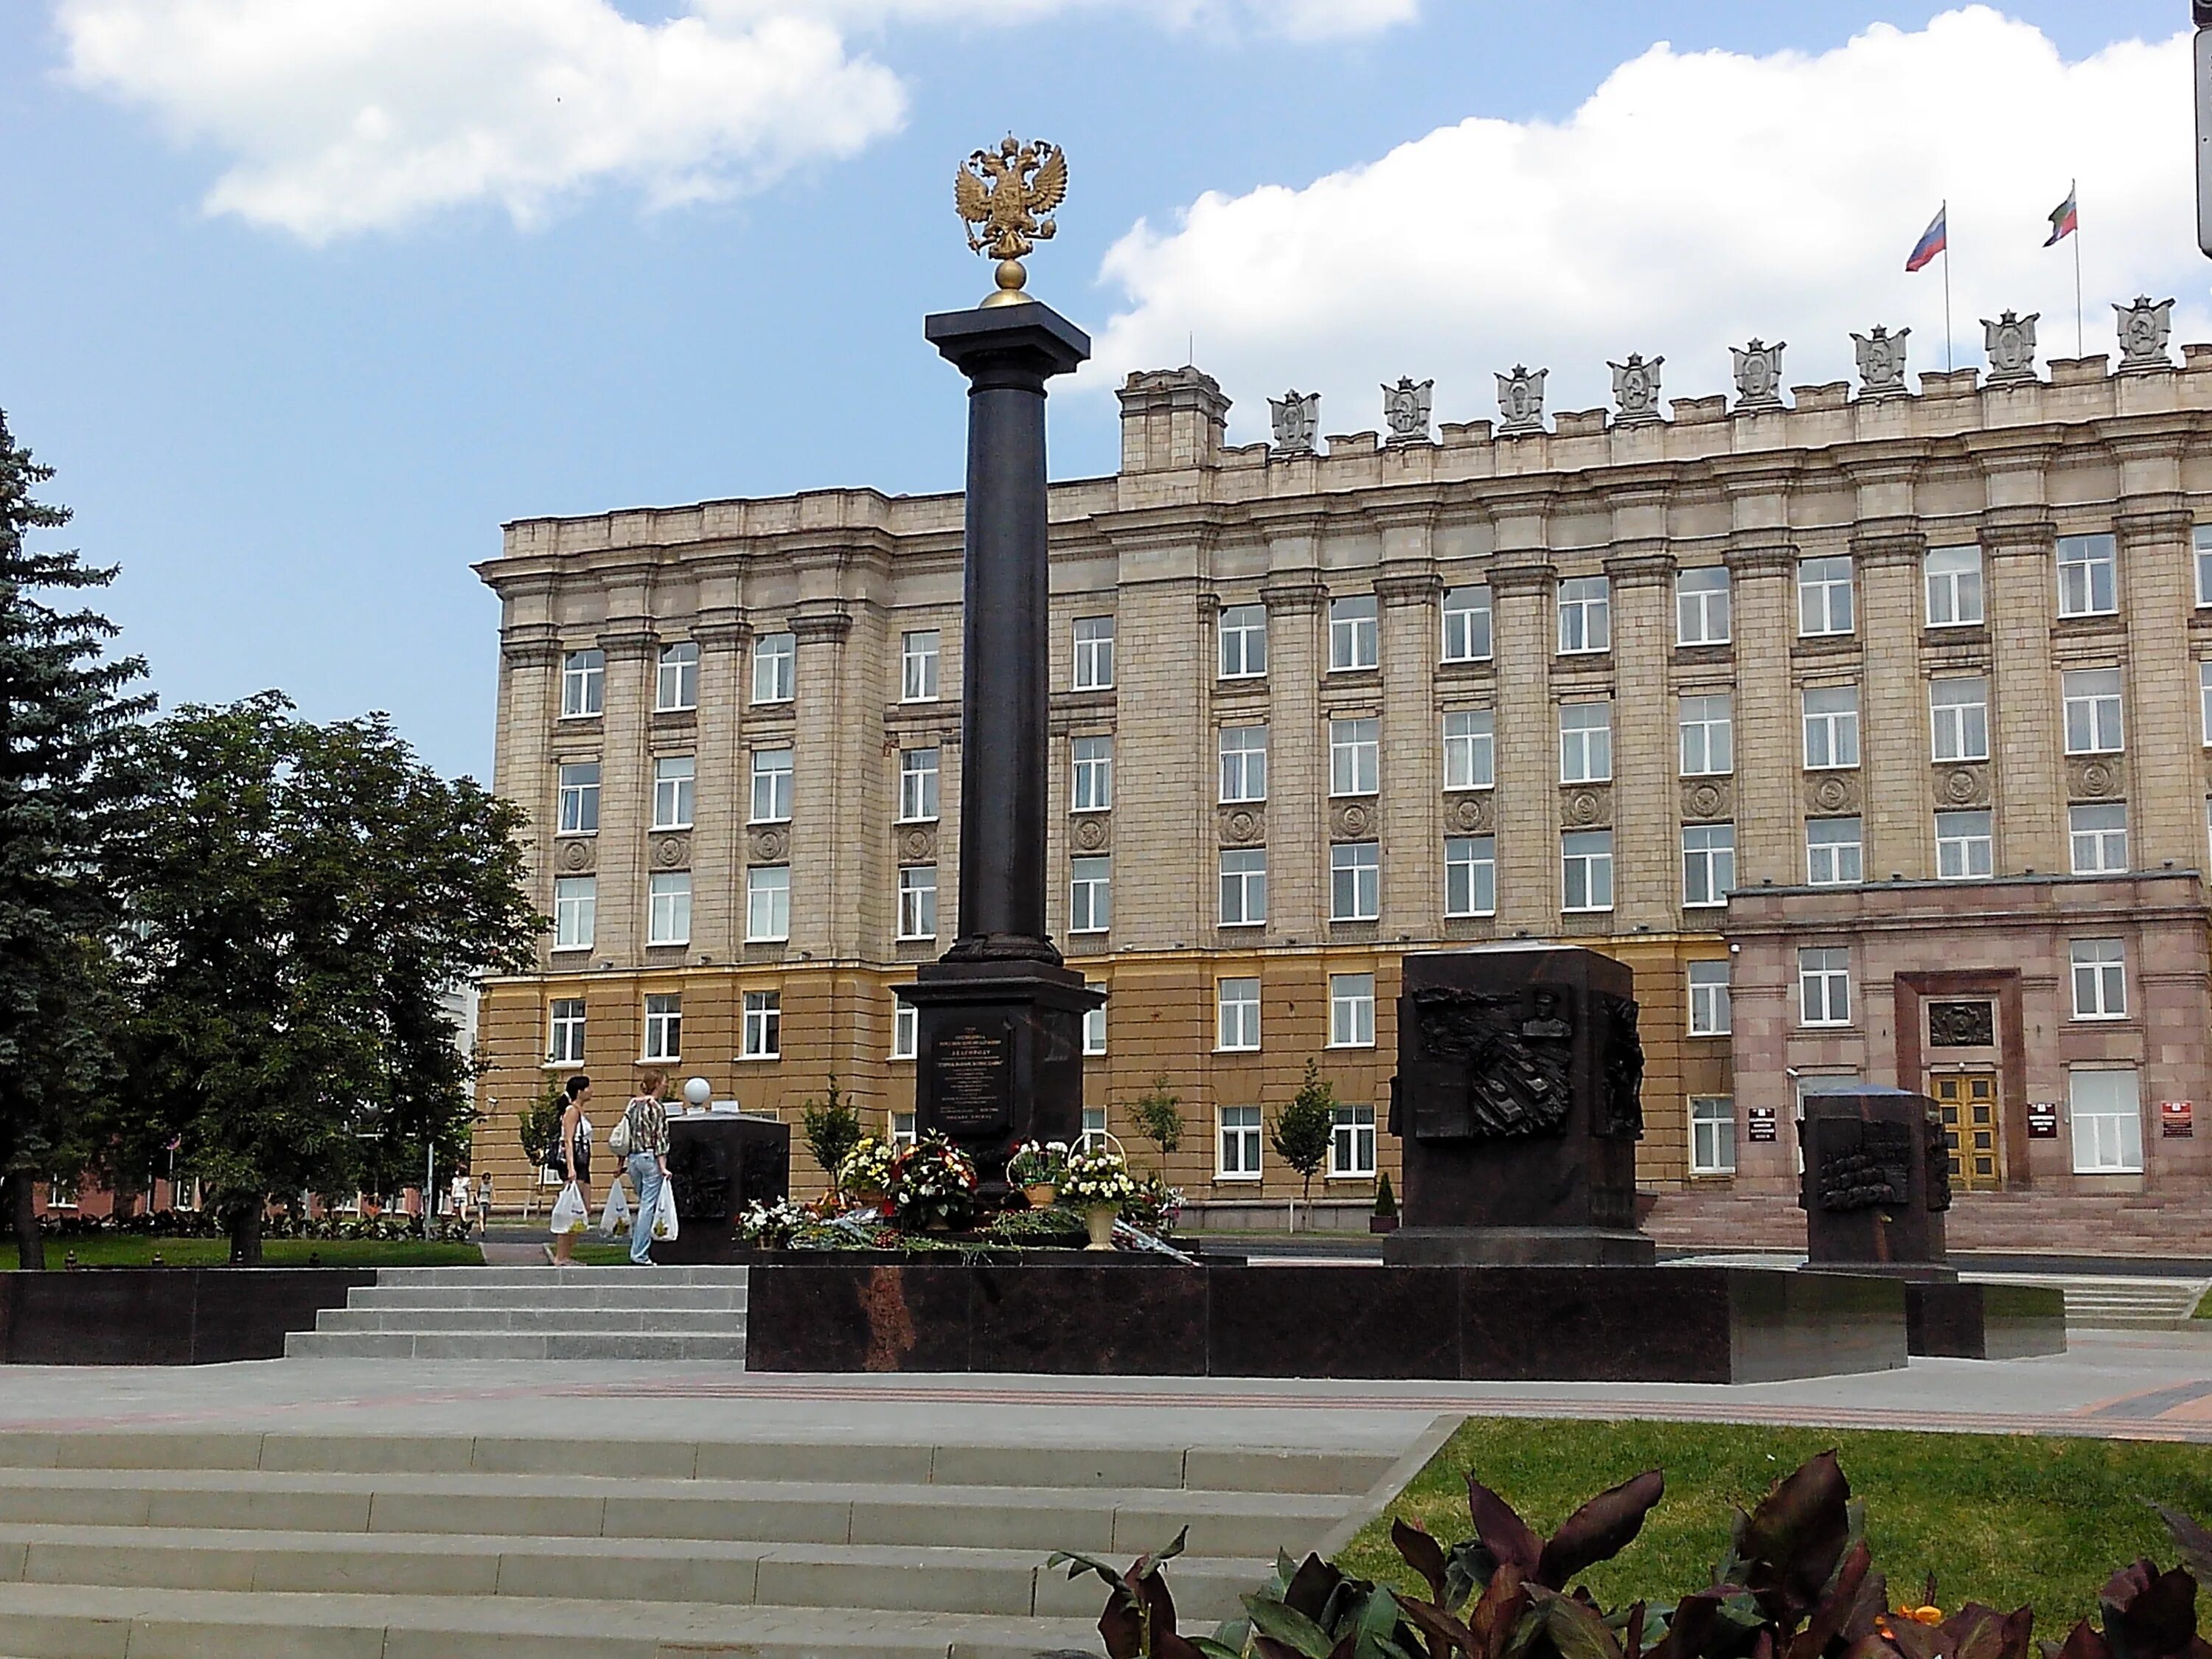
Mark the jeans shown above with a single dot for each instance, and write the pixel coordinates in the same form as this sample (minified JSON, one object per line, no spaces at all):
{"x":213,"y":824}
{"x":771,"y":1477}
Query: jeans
{"x":645,"y":1176}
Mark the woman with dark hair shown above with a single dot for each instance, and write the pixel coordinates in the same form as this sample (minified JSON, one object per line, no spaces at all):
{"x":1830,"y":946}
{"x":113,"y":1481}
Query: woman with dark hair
{"x":572,"y":1158}
{"x":648,"y":1120}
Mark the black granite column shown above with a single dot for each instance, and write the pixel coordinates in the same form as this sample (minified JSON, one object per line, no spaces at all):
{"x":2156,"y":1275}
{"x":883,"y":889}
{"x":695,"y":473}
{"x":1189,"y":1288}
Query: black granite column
{"x":998,"y":1050}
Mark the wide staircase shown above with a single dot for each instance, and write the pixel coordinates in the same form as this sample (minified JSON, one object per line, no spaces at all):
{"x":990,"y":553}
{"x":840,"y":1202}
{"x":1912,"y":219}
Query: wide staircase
{"x":247,"y":1546}
{"x":536,"y":1313}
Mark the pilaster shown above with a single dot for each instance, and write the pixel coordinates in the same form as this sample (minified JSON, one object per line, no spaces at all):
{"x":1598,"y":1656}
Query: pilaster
{"x":724,"y":787}
{"x":1647,"y":873}
{"x":625,"y":794}
{"x":1762,"y":580}
{"x":2164,"y":722}
{"x":825,"y":889}
{"x":1409,"y":591}
{"x":1894,"y":735}
{"x":1523,"y":594}
{"x":2019,"y":546}
{"x":1297,"y":762}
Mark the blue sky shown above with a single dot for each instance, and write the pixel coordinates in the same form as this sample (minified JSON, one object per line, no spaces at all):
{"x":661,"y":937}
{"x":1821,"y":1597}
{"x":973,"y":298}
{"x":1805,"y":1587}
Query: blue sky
{"x":296,"y":439}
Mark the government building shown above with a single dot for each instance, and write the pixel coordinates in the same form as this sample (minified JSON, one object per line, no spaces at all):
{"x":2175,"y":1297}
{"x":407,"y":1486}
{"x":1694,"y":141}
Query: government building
{"x":1869,"y":727}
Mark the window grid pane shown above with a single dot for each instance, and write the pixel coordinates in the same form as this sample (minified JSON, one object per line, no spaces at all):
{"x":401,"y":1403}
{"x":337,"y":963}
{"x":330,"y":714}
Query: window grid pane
{"x":1355,"y":885}
{"x":1467,"y":624}
{"x":1244,"y":641}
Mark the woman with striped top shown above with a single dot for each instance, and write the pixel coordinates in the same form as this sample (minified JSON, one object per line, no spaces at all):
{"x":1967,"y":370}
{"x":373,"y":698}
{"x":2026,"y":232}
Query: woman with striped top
{"x":649,"y":1160}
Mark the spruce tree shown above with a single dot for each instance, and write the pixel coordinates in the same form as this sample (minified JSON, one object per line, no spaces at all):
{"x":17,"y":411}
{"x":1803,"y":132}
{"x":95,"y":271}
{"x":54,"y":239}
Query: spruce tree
{"x":65,"y":708}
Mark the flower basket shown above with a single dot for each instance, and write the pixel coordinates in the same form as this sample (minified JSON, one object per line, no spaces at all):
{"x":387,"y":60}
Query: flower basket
{"x":1043,"y":1195}
{"x":1098,"y":1184}
{"x":932,"y":1185}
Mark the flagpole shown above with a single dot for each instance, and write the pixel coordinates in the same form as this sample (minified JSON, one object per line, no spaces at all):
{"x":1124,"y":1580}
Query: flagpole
{"x":1949,"y":366}
{"x":2074,"y":195}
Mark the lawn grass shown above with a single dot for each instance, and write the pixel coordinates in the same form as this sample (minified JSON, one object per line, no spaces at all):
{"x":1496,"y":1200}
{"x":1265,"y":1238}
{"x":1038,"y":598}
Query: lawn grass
{"x":2009,"y":1520}
{"x":130,"y":1250}
{"x":2203,"y":1307}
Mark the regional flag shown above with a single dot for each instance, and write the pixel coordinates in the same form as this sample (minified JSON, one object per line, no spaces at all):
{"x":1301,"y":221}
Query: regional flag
{"x":1932,"y":239}
{"x":2065,"y":218}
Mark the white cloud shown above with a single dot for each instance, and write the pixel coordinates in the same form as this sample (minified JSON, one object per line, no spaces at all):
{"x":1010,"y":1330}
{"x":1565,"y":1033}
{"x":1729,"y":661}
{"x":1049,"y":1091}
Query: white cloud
{"x":1692,"y":202}
{"x":342,"y":116}
{"x":349,"y":115}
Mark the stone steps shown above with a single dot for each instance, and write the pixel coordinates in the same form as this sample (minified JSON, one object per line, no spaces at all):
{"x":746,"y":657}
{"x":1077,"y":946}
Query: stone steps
{"x":535,"y":1314}
{"x":2111,"y":1303}
{"x":237,"y":1545}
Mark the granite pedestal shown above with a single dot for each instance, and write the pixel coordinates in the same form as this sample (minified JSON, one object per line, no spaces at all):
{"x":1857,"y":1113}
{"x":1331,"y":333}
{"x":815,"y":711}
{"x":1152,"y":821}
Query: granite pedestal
{"x":720,"y":1164}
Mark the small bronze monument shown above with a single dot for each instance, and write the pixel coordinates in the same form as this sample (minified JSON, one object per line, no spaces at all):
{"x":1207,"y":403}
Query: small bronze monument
{"x":999,"y":1046}
{"x":1518,"y":1100}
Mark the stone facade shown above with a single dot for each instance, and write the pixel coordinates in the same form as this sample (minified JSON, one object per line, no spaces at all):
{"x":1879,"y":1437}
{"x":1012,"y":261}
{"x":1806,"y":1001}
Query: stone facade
{"x":1811,"y":568}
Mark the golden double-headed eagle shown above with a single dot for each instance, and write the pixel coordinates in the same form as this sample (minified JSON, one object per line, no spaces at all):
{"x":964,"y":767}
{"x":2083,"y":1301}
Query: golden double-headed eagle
{"x":1007,"y":195}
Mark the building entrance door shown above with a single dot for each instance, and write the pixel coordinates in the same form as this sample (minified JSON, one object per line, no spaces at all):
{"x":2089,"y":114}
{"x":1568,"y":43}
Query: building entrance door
{"x":1967,"y":1101}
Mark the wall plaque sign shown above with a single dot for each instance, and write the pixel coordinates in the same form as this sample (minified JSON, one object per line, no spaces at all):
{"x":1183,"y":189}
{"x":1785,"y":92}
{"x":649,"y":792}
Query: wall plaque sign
{"x":975,"y":1069}
{"x":2177,"y":1119}
{"x":1760,"y":1123}
{"x":2043,"y":1120}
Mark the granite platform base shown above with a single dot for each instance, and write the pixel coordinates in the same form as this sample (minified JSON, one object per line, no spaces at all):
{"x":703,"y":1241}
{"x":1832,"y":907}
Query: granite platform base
{"x":1488,"y":1323}
{"x":163,"y":1315}
{"x":1531,"y":1247}
{"x":1984,"y":1321}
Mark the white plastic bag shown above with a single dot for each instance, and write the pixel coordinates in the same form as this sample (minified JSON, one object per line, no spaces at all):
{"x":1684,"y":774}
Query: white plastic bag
{"x":663,"y":1222}
{"x":615,"y":1217}
{"x":570,"y":1213}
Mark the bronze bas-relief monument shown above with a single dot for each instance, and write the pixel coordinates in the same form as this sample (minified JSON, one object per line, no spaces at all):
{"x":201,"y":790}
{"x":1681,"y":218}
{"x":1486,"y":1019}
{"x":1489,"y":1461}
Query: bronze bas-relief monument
{"x":1877,"y":1182}
{"x":1518,"y":1100}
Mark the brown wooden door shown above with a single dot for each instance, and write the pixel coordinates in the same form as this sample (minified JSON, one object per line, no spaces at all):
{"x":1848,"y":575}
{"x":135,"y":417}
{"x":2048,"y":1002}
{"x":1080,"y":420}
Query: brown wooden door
{"x":1967,"y":1101}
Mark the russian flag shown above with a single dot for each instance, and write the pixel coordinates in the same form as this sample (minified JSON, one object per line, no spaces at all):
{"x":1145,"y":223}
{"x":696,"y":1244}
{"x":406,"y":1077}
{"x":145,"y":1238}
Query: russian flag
{"x":2065,"y":218}
{"x":1932,"y":239}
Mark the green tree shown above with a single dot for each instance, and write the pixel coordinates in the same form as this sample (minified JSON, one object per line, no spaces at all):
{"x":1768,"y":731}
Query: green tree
{"x":1158,"y":1113}
{"x":304,"y":899}
{"x":832,"y":1129}
{"x":1303,"y":1130}
{"x":65,"y":710}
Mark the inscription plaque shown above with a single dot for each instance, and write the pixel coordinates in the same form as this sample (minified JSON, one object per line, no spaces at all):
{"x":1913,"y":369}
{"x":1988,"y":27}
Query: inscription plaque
{"x":975,"y":1069}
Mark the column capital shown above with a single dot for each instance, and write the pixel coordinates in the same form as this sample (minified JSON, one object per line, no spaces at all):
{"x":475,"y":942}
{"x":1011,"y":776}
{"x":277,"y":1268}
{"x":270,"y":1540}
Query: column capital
{"x":1523,"y":577}
{"x":1408,"y":587}
{"x":1641,"y":564}
{"x":1750,"y":555}
{"x":629,"y":642}
{"x":822,"y":627}
{"x":1296,"y":597}
{"x":722,"y":630}
{"x":2149,"y":520}
{"x":531,"y":645}
{"x":2014,"y":531}
{"x":1881,"y":545}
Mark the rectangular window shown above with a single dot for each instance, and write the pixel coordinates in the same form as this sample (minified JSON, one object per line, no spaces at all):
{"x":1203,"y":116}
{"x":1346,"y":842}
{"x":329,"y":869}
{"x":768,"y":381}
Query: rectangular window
{"x":1355,"y":881}
{"x":1958,"y":718}
{"x":676,"y":680}
{"x":906,"y":1030}
{"x":776,"y":667}
{"x":1831,"y":726}
{"x":1586,"y":869}
{"x":1712,"y":1135}
{"x":1352,"y":1010}
{"x":668,"y":909}
{"x":1953,"y":576}
{"x":1467,"y":624}
{"x":1701,"y":606}
{"x":1964,"y":848}
{"x":664,"y":1028}
{"x":1094,"y":653}
{"x":918,"y":661}
{"x":903,"y":1132}
{"x":1352,"y":1143}
{"x":772,"y":786}
{"x":1710,"y":1013}
{"x":583,"y":685}
{"x":1585,"y":742}
{"x":1470,"y":875}
{"x":1244,"y":762}
{"x":1834,"y":852}
{"x":1094,"y":1125}
{"x":763,"y":1034}
{"x":1824,"y":987}
{"x":917,"y":785}
{"x":1352,"y":643}
{"x":2106,"y":1107}
{"x":2204,"y":699}
{"x":1090,"y":896}
{"x":674,"y":780}
{"x":575,"y":912}
{"x":580,"y":797}
{"x":1354,"y":757}
{"x":917,"y":901}
{"x":1708,"y":863}
{"x":564,"y":1026}
{"x":1092,"y":788}
{"x":767,"y":902}
{"x":2086,"y":571}
{"x":2201,"y":540}
{"x":1708,"y":729}
{"x":1236,"y":1027}
{"x":2092,"y":710}
{"x":1585,"y":614}
{"x":1824,"y":596}
{"x":2099,"y":838}
{"x":1470,"y":749}
{"x":1244,"y":887}
{"x":2100,"y":988}
{"x":1094,"y":1023}
{"x":1239,"y":1156}
{"x":1244,"y":641}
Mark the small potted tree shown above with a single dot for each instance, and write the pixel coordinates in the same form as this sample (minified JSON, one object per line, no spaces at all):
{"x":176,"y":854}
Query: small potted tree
{"x":1385,"y":1217}
{"x":832,"y":1129}
{"x":1159,"y":1118}
{"x":1303,"y":1131}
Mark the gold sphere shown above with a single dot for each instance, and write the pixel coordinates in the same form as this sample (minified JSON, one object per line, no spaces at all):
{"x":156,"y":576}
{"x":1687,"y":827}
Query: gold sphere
{"x":1011,"y":279}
